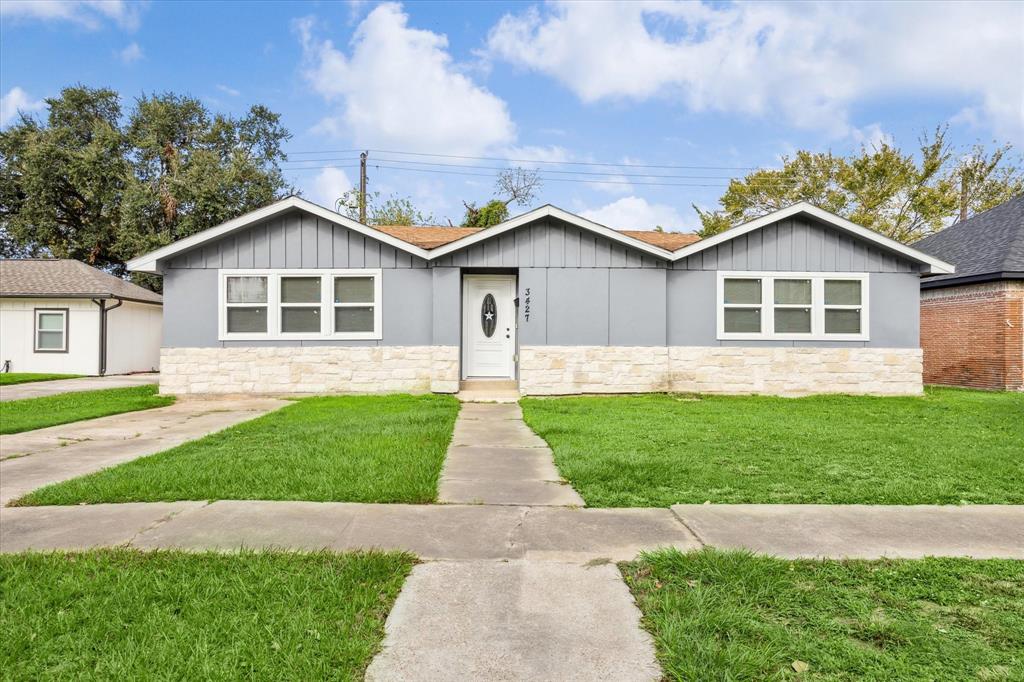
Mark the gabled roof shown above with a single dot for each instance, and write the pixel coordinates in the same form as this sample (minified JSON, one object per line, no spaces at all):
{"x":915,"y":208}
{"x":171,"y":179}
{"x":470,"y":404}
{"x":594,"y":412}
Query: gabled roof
{"x":988,"y":246}
{"x":803,"y":208}
{"x":66,"y":278}
{"x":434,"y":242}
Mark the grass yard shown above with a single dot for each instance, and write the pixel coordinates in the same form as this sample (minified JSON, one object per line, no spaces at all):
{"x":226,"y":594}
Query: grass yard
{"x":36,"y":413}
{"x":952,"y":446}
{"x":12,"y":378}
{"x":125,"y":615}
{"x":340,"y":449}
{"x":732,"y":616}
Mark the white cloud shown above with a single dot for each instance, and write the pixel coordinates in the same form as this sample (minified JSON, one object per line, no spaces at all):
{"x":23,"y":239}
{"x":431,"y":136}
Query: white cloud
{"x":328,"y":186}
{"x":398,"y":87}
{"x":132,"y":53}
{"x":635,"y":213}
{"x":228,"y":90}
{"x":17,"y":100}
{"x":91,"y":14}
{"x":871,"y":136}
{"x":809,"y":63}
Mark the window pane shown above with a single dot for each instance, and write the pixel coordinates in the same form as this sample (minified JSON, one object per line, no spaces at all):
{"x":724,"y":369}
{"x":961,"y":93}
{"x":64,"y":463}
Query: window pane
{"x":793,"y":291}
{"x":842,"y":292}
{"x":353,"y":319}
{"x":742,"y":291}
{"x":247,"y":320}
{"x":51,"y":321}
{"x":743,"y":320}
{"x":50,"y":341}
{"x":353,"y":290}
{"x":300,"y":320}
{"x":247,"y":289}
{"x":793,"y":320}
{"x":300,"y":290}
{"x":843,"y":321}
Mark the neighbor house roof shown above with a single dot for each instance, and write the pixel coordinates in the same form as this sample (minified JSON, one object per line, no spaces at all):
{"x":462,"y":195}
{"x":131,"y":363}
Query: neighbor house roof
{"x":431,"y":243}
{"x":66,"y":278}
{"x":987,"y":247}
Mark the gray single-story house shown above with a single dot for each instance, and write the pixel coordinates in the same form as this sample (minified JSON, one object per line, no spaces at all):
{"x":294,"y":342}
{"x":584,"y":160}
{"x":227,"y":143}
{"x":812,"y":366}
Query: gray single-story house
{"x":295,"y":297}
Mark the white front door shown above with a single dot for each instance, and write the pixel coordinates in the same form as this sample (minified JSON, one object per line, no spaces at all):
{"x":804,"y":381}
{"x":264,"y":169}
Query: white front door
{"x":488,"y":326}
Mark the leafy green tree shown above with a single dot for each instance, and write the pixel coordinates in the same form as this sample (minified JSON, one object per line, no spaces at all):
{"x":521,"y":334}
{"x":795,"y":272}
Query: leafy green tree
{"x":898,"y":194}
{"x":491,"y":213}
{"x":86,"y":183}
{"x":394,"y":210}
{"x":63,"y":179}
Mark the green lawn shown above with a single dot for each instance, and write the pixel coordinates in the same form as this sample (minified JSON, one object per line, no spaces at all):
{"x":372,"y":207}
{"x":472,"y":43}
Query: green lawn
{"x":948,"y":447}
{"x":35,"y":413}
{"x":343,"y":449}
{"x":732,"y":616}
{"x":125,"y":615}
{"x":11,"y":378}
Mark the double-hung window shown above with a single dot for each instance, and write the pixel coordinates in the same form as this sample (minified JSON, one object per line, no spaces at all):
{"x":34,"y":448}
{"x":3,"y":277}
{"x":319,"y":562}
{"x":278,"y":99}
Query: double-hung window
{"x":300,"y":304}
{"x":51,"y":330}
{"x":792,"y":306}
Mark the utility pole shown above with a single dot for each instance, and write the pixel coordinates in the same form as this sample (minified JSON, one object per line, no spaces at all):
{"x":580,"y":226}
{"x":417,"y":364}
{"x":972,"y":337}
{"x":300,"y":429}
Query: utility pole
{"x":362,"y":188}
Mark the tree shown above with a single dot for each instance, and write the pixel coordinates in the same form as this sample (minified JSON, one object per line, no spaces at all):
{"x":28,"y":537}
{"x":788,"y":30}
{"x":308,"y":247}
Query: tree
{"x":394,"y":210}
{"x":491,"y":213}
{"x":514,"y":185}
{"x":63,"y":180}
{"x":882,"y":188}
{"x":87,"y":184}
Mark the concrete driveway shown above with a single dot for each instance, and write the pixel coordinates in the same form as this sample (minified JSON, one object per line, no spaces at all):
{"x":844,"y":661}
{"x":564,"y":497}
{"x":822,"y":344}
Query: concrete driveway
{"x":38,"y":389}
{"x":33,"y":459}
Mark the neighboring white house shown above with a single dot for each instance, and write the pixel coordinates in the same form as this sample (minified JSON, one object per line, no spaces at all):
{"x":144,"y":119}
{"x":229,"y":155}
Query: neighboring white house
{"x":63,"y":316}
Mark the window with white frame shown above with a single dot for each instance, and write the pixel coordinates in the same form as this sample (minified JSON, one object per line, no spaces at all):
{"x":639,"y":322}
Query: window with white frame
{"x":300,"y":304}
{"x":792,"y":306}
{"x":51,"y":330}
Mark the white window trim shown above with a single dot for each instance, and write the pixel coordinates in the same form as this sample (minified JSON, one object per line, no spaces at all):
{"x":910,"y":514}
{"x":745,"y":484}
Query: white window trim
{"x":817,"y":306}
{"x":274,"y":304}
{"x":64,"y":330}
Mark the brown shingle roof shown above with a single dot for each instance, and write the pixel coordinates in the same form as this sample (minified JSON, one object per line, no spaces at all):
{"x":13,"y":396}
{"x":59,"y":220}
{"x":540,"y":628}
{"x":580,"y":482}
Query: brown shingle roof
{"x":66,"y":278}
{"x":665,"y":240}
{"x":427,"y":237}
{"x":431,"y":237}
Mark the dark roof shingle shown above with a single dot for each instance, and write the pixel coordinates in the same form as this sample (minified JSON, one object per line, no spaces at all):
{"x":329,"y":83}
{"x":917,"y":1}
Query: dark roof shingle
{"x":987,"y":244}
{"x":68,"y":278}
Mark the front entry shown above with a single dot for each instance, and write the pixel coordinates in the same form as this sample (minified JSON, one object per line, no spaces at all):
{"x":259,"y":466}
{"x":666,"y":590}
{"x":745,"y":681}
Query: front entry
{"x":488,"y":326}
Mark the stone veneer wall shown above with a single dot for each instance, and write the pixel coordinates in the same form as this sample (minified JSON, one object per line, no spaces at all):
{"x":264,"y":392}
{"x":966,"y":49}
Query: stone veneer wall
{"x":561,"y":370}
{"x":310,"y":369}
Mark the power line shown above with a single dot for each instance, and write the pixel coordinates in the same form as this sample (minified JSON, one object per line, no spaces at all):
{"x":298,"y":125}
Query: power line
{"x":547,"y":178}
{"x":513,"y":160}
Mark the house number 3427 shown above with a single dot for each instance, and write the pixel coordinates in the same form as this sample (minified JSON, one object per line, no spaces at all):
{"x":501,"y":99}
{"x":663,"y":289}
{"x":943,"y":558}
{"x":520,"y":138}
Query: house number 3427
{"x":526,"y":305}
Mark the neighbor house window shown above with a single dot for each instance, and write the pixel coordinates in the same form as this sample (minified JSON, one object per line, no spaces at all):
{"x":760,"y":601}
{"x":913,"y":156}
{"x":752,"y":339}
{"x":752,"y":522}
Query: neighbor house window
{"x":51,"y":330}
{"x":300,"y":304}
{"x":792,"y":306}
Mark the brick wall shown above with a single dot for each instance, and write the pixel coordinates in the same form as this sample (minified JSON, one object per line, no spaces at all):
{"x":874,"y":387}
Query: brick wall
{"x":973,"y":335}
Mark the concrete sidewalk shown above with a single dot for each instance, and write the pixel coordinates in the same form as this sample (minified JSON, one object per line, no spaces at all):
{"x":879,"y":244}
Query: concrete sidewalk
{"x":494,"y":458}
{"x":38,"y":389}
{"x":502,"y":533}
{"x":33,"y":459}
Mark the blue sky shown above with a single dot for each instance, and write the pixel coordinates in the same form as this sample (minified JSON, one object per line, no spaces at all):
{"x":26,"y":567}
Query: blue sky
{"x":708,"y":90}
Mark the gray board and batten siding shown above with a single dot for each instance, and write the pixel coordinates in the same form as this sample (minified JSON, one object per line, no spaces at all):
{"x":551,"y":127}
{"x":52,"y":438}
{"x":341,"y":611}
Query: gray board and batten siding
{"x":580,"y":288}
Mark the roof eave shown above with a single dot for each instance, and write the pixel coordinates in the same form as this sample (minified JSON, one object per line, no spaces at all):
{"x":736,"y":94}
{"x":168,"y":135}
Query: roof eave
{"x":549,"y":211}
{"x":132,"y":299}
{"x":151,"y":262}
{"x":933,"y":265}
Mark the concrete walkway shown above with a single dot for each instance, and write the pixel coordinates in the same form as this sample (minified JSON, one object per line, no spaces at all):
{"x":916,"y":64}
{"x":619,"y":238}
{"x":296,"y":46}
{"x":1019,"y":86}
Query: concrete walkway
{"x":33,"y":459}
{"x":38,"y":389}
{"x":494,"y":458}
